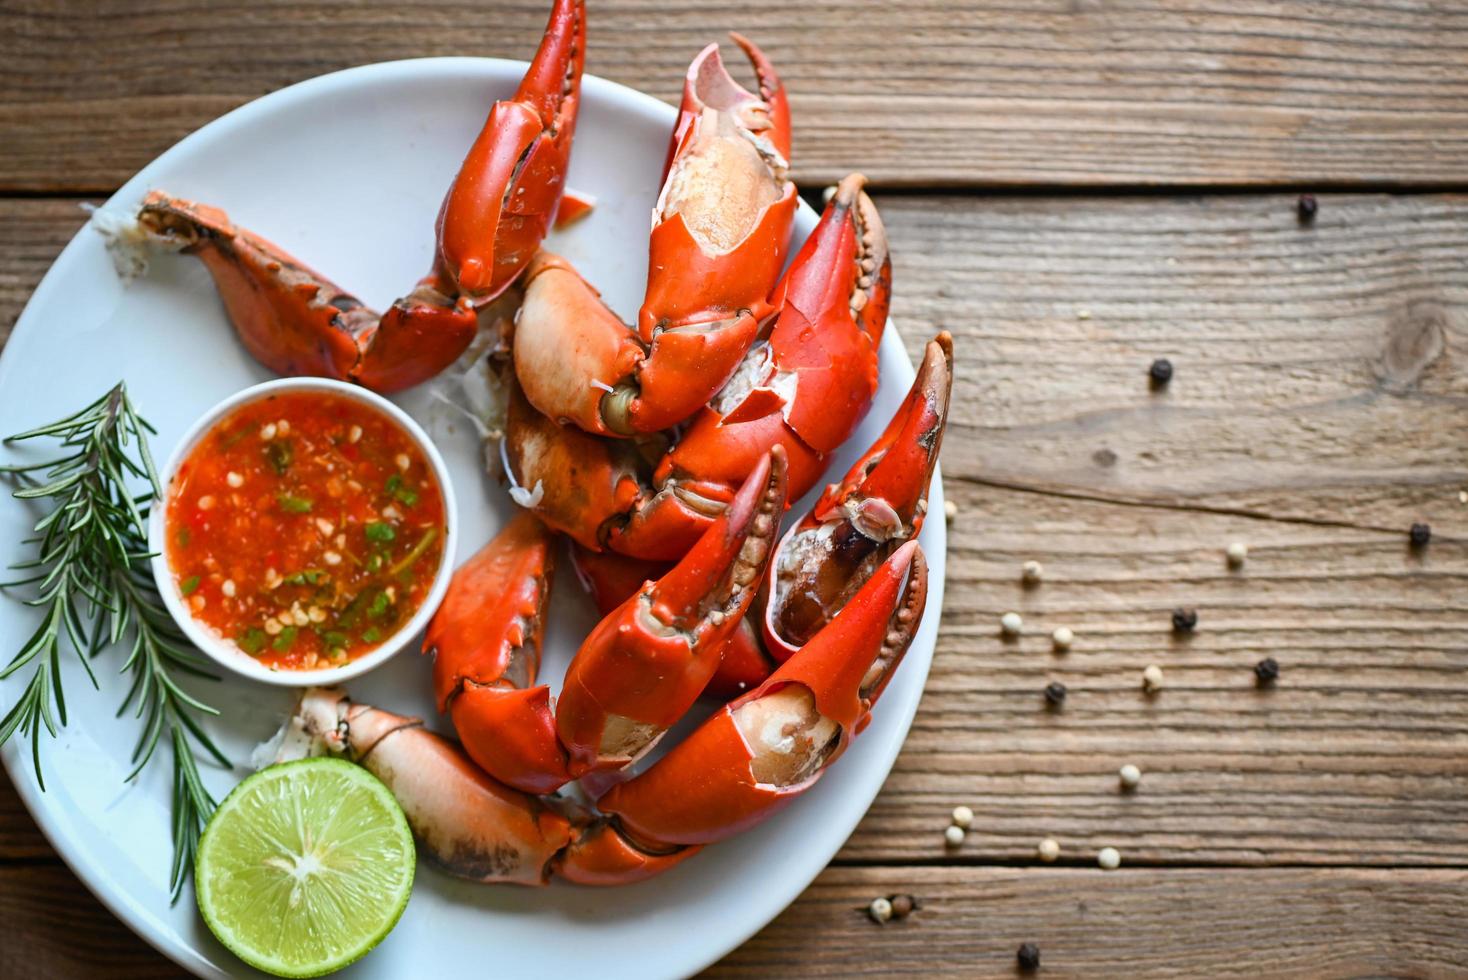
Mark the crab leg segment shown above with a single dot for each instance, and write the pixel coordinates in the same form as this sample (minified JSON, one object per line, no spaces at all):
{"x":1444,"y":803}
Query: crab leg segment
{"x":289,"y":317}
{"x":859,"y":521}
{"x":569,"y":347}
{"x":647,"y":662}
{"x":464,"y":821}
{"x":766,"y":748}
{"x":505,"y":197}
{"x":485,"y":640}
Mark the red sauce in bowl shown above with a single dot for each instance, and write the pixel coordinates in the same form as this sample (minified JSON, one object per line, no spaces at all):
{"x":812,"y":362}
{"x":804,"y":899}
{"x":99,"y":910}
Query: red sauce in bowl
{"x":306,"y":527}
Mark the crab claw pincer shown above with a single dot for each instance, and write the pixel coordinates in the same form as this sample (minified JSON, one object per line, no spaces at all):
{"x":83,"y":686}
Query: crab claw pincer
{"x":633,"y":677}
{"x":762,"y":750}
{"x":505,"y":197}
{"x":721,"y":232}
{"x":499,"y":208}
{"x":859,"y":521}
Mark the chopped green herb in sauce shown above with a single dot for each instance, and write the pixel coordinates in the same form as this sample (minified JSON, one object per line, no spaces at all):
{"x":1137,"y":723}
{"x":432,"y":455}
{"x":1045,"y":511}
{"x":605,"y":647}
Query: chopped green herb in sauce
{"x":292,"y":504}
{"x":252,"y":640}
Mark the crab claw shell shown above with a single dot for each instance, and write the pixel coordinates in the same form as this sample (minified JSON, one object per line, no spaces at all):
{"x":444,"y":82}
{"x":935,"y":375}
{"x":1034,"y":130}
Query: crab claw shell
{"x":505,"y":197}
{"x":761,"y":751}
{"x":465,"y":822}
{"x":601,"y":855}
{"x":289,"y":317}
{"x":859,"y":521}
{"x":646,"y":663}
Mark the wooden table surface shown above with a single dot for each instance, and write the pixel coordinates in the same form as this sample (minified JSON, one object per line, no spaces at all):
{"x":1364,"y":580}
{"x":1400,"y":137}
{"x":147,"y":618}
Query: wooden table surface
{"x":1073,"y":188}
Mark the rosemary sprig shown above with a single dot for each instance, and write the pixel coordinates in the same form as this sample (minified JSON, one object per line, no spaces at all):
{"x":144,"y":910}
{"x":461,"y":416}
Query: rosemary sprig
{"x":91,"y":581}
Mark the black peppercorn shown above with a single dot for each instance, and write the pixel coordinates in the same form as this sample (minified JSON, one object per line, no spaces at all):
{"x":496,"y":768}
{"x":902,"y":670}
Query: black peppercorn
{"x":1055,"y":693}
{"x":1184,"y":620}
{"x":1029,"y":957}
{"x":1419,"y":535}
{"x":1267,"y":670}
{"x":903,"y":906}
{"x":1160,"y":372}
{"x":1306,"y":207}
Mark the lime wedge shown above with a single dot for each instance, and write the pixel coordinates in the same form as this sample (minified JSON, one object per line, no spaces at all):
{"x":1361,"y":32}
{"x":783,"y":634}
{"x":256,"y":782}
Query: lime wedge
{"x":305,"y":867}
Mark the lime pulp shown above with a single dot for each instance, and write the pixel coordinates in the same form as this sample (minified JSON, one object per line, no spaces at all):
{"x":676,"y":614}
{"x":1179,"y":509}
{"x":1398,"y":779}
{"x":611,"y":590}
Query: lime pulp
{"x":305,"y":867}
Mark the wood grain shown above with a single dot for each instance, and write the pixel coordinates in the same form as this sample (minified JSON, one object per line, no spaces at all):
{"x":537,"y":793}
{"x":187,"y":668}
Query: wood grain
{"x":1078,"y":92}
{"x":1319,"y":407}
{"x":1143,"y":922}
{"x":1133,"y":923}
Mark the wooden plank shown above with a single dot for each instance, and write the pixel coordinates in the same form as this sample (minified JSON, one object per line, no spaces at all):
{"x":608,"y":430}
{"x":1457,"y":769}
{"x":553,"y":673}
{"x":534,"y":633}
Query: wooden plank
{"x":1137,"y":923}
{"x":1318,"y":408}
{"x":925,"y":92}
{"x":1319,"y":388}
{"x":32,"y":234}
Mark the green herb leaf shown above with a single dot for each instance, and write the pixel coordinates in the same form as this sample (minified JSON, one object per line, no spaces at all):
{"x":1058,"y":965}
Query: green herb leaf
{"x":379,"y":606}
{"x":280,"y":454}
{"x":334,"y":638}
{"x":371,"y":634}
{"x":394,"y":484}
{"x":188,"y":585}
{"x":380,"y":532}
{"x":183,"y":537}
{"x":94,"y":590}
{"x":252,"y":640}
{"x":284,"y":639}
{"x":292,"y":504}
{"x":306,"y":576}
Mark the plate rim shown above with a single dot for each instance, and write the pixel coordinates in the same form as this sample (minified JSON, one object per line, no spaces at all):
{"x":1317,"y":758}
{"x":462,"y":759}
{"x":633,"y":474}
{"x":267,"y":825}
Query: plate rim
{"x":93,"y":873}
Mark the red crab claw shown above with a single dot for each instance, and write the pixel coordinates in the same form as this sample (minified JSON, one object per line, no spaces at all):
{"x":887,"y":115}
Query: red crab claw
{"x":858,"y":522}
{"x":505,"y":197}
{"x":294,"y":320}
{"x":806,"y":389}
{"x":636,"y":674}
{"x":485,"y":640}
{"x":761,"y":751}
{"x":466,"y":822}
{"x":719,"y":240}
{"x":611,"y":579}
{"x":721,"y":229}
{"x":647,"y":662}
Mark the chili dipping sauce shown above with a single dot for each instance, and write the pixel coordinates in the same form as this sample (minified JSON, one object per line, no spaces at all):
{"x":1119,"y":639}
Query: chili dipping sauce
{"x":306,"y":527}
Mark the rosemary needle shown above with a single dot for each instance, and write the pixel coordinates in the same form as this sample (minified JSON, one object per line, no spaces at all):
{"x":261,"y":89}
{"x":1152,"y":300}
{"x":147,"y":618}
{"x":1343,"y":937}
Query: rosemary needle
{"x":90,"y":578}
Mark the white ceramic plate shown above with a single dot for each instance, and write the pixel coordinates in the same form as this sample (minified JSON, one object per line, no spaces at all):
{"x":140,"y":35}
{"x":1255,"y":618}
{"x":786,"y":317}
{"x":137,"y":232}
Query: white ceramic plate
{"x":347,"y":171}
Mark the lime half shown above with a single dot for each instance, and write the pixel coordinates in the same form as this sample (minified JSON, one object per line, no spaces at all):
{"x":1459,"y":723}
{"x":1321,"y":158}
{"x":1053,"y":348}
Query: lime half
{"x":305,"y":867}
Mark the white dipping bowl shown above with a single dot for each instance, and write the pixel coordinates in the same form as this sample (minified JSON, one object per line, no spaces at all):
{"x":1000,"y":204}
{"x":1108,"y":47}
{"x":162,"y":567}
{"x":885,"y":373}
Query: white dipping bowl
{"x":223,"y":651}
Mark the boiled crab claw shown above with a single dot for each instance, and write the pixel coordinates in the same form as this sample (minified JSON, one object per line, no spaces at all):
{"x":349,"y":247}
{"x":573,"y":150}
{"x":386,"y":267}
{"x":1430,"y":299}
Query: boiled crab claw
{"x":634,"y":675}
{"x":466,"y":822}
{"x":720,"y":236}
{"x":297,"y":322}
{"x":610,"y":579}
{"x":762,"y":750}
{"x":508,"y":190}
{"x":752,"y":758}
{"x":858,"y":522}
{"x":804,"y":389}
